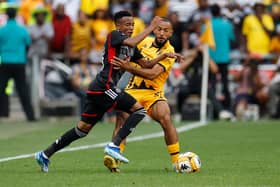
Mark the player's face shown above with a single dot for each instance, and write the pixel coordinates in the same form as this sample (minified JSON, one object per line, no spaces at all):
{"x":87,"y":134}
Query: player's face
{"x":126,"y":25}
{"x":163,"y":32}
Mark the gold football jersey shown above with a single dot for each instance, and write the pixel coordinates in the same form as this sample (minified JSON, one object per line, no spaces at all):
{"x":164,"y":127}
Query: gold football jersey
{"x":150,"y":52}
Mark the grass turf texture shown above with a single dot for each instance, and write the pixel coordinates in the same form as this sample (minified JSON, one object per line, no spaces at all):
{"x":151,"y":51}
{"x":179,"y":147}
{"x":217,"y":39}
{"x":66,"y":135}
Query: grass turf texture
{"x":232,"y":154}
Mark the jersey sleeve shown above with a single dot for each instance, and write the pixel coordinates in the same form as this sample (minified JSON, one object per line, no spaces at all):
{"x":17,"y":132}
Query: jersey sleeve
{"x":117,"y":38}
{"x":167,"y":63}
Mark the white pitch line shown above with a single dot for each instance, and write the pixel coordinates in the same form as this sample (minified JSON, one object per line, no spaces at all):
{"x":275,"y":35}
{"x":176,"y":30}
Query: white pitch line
{"x":132,"y":139}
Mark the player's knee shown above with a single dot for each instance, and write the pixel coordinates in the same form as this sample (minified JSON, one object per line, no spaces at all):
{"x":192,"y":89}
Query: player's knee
{"x":166,"y":123}
{"x":164,"y":119}
{"x":121,"y":116}
{"x":80,"y":133}
{"x":83,"y":129}
{"x":140,"y":112}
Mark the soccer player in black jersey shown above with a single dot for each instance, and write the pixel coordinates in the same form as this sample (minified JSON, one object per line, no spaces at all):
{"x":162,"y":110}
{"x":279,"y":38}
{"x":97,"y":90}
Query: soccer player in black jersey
{"x":103,"y":95}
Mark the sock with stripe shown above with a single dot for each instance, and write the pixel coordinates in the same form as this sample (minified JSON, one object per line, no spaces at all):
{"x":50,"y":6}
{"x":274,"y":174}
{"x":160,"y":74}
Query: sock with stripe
{"x":67,"y":138}
{"x":174,"y":151}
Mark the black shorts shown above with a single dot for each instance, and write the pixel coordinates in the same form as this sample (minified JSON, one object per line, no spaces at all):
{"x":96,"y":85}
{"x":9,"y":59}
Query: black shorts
{"x":99,"y":102}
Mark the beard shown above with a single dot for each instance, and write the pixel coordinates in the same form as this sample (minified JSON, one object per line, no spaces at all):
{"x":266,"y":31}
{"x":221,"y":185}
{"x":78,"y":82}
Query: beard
{"x":159,"y":44}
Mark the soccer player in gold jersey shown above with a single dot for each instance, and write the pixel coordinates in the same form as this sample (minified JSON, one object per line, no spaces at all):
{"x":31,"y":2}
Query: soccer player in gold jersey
{"x":146,"y":85}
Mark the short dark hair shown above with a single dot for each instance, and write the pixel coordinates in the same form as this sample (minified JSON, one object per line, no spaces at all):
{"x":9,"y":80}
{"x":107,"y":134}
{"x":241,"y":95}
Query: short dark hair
{"x":119,"y":15}
{"x":215,"y":10}
{"x":258,"y":4}
{"x":165,"y":19}
{"x":11,"y":12}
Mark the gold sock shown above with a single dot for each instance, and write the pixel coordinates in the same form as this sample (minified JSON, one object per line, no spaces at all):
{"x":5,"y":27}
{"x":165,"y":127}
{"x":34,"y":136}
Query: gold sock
{"x":174,"y":150}
{"x":122,"y":147}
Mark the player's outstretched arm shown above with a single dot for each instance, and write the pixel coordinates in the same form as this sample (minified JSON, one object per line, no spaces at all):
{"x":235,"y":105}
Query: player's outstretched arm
{"x":133,"y":41}
{"x":148,"y":73}
{"x":150,"y":63}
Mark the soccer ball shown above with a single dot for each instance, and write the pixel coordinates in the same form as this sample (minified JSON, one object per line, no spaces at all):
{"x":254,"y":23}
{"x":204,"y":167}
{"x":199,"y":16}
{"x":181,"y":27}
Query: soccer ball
{"x":188,"y":162}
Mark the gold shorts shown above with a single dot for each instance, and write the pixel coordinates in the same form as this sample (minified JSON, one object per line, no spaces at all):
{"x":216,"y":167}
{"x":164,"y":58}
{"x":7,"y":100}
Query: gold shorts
{"x":146,"y":97}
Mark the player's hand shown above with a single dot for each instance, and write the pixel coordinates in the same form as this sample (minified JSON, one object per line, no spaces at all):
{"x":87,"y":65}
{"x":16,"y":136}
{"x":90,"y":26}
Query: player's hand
{"x":156,"y":20}
{"x":169,"y":55}
{"x":179,"y":58}
{"x":119,"y":63}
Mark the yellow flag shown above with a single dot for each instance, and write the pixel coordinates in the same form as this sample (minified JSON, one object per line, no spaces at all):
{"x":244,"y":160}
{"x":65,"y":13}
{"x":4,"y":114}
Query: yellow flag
{"x":207,"y":36}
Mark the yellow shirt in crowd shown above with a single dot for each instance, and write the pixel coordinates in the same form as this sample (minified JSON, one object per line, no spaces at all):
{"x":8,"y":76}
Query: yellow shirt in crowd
{"x":258,"y":41}
{"x":89,"y":6}
{"x":81,"y":36}
{"x":100,"y":29}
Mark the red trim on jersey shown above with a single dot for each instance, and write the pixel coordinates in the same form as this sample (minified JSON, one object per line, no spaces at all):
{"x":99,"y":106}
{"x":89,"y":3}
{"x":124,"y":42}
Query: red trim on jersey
{"x":94,"y":92}
{"x":88,"y":115}
{"x":112,"y":107}
{"x":111,"y":54}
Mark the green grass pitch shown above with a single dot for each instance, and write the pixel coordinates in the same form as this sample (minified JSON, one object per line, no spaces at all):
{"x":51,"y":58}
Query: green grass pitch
{"x":245,"y":154}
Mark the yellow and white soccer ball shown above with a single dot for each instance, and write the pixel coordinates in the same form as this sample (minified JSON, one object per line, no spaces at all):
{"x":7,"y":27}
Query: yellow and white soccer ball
{"x":188,"y":162}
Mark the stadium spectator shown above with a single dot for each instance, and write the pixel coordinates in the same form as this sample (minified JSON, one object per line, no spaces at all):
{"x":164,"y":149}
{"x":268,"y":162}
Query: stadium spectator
{"x":3,"y":16}
{"x":62,"y":29}
{"x":201,"y":13}
{"x":275,"y":43}
{"x":41,"y":34}
{"x":274,"y":10}
{"x":273,"y":104}
{"x":72,"y":8}
{"x":139,"y":24}
{"x":147,"y":87}
{"x":235,"y":15}
{"x":146,"y":10}
{"x":184,"y":8}
{"x":161,"y":8}
{"x":81,"y":37}
{"x":192,"y":70}
{"x":90,"y":6}
{"x":101,"y":25}
{"x":14,"y":40}
{"x":102,"y":94}
{"x":196,"y":20}
{"x":179,"y":38}
{"x":223,"y":35}
{"x":118,"y":5}
{"x":82,"y":74}
{"x":249,"y":88}
{"x":257,"y":25}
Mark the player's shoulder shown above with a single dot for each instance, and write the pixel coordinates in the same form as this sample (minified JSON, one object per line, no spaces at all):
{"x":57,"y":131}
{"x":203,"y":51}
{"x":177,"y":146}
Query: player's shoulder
{"x":168,"y":47}
{"x":146,"y":42}
{"x":116,"y":33}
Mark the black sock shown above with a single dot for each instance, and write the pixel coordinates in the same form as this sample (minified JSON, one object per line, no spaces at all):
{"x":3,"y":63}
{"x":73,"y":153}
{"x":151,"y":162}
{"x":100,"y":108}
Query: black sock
{"x":129,"y":125}
{"x":64,"y":140}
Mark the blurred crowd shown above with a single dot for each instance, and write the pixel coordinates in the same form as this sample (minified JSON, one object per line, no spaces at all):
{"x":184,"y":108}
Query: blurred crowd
{"x":246,"y":32}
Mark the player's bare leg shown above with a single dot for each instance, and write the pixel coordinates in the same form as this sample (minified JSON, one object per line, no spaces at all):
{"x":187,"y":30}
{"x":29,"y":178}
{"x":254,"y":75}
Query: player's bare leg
{"x":160,"y":112}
